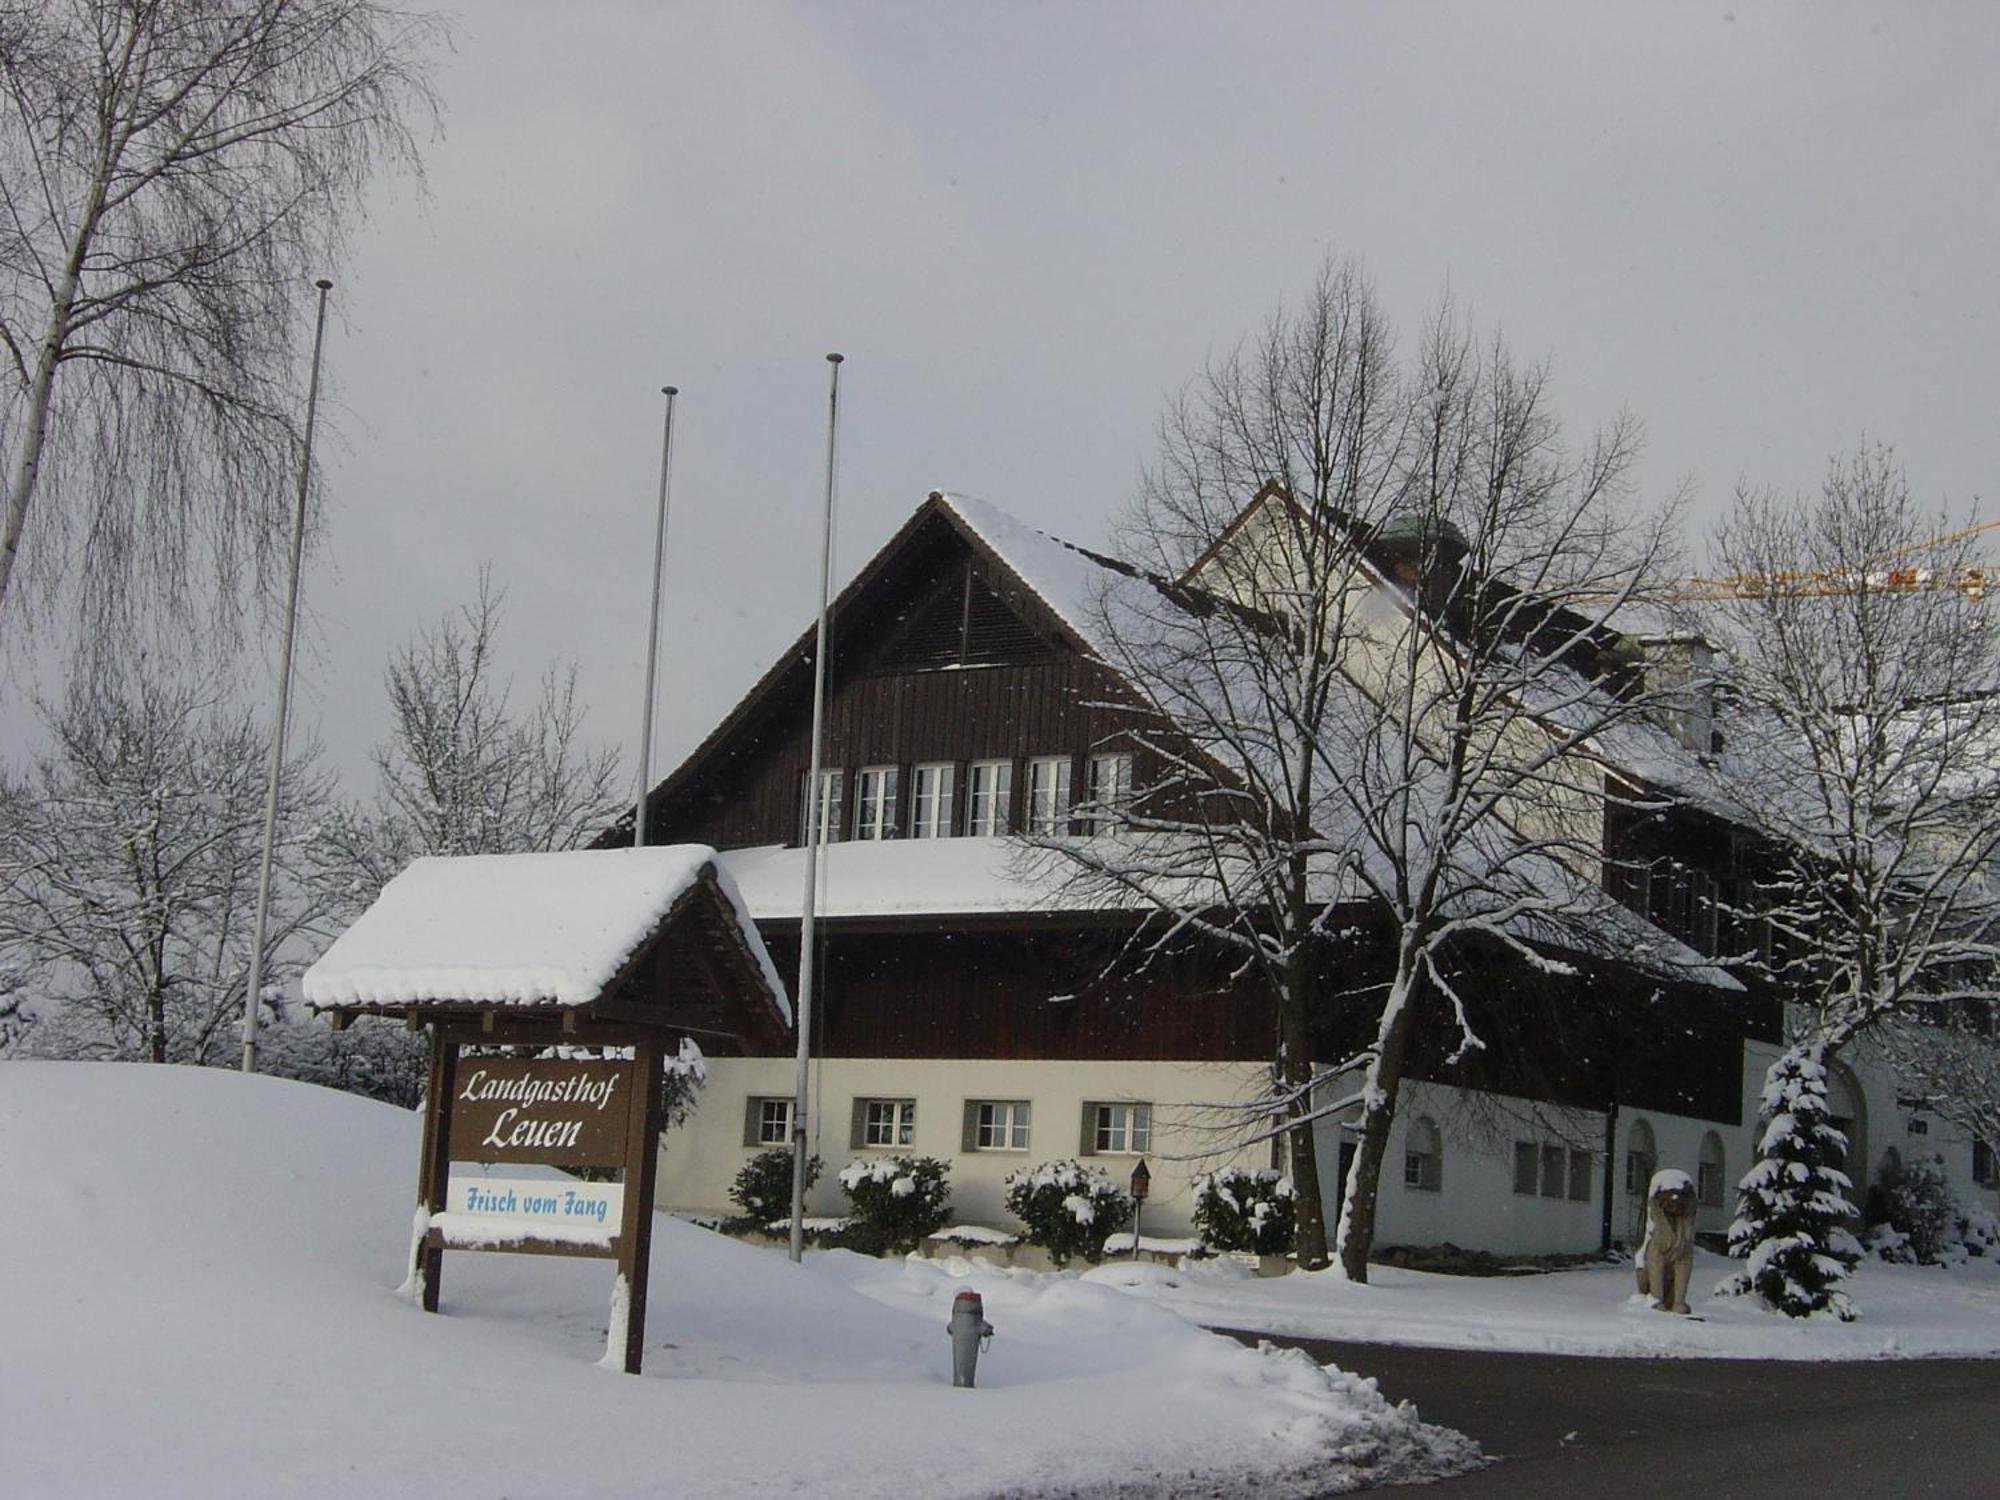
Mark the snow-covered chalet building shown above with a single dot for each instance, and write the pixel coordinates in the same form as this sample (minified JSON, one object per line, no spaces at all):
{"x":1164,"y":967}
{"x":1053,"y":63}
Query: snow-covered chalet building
{"x":967,"y":1007}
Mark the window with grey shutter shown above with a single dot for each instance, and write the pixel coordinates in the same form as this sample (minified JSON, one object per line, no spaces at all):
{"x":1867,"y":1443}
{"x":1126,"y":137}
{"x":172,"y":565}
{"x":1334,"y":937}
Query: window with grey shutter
{"x":1088,"y":1146}
{"x":968,"y":1137}
{"x":857,"y":1136}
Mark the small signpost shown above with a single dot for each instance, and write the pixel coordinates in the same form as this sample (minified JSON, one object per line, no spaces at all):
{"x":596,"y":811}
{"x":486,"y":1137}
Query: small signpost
{"x":552,"y":993}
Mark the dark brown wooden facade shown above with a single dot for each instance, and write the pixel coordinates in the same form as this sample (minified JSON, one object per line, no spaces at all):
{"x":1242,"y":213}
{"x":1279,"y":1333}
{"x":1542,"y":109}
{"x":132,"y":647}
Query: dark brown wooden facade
{"x":943,"y":658}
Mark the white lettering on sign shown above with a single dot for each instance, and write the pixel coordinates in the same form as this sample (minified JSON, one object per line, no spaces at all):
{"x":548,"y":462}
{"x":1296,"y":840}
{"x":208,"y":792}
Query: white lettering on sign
{"x":575,"y":1089}
{"x":598,"y":1203}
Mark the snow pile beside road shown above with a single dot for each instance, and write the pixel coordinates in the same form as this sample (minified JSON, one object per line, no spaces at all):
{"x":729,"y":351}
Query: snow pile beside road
{"x":199,"y":1301}
{"x":1906,"y":1311}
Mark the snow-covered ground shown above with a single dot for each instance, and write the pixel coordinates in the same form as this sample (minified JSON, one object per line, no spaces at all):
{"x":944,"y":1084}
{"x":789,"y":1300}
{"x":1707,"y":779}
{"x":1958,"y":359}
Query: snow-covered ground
{"x":1906,"y":1311}
{"x":199,"y":1299}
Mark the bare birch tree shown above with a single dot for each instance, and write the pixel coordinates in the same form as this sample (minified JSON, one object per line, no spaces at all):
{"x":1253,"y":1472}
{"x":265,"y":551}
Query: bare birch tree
{"x":463,"y":771}
{"x":1375,"y":714}
{"x":128,"y":873}
{"x":172,"y":174}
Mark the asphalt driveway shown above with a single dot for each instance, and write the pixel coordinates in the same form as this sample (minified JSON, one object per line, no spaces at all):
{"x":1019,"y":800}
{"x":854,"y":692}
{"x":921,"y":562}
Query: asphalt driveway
{"x":1713,"y":1429}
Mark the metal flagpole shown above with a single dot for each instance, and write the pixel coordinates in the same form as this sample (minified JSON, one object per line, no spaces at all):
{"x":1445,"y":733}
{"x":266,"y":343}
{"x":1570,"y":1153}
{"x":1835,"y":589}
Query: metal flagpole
{"x":653,"y":632}
{"x":275,"y":765}
{"x":809,"y":907}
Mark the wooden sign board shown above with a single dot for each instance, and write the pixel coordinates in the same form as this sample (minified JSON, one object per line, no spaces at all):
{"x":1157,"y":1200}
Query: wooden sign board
{"x":550,"y":1111}
{"x":558,"y":1112}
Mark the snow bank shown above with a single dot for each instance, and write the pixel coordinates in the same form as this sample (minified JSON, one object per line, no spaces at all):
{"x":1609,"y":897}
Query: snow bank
{"x":1906,"y":1311}
{"x":517,"y":928}
{"x":200,"y":1299}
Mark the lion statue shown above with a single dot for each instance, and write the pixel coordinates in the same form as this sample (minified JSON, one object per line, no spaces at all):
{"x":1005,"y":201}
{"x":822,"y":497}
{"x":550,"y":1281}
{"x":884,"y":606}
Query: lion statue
{"x":1666,"y":1255}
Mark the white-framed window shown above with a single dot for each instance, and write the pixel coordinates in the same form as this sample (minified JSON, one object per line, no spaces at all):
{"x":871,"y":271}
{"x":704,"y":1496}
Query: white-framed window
{"x":767,"y":1122}
{"x":832,"y":805}
{"x":1983,"y":1165}
{"x":1579,"y":1175}
{"x":1117,"y":1129}
{"x":1642,"y":1159}
{"x":875,"y":803}
{"x":1551,"y":1171}
{"x":1554,"y":1161}
{"x":1110,"y":788}
{"x":884,"y":1122}
{"x":997,"y":1124}
{"x":1527,"y":1167}
{"x":1708,"y":1172}
{"x":931,"y":789}
{"x":1048,"y":794}
{"x":1423,"y":1156}
{"x":989,"y":790}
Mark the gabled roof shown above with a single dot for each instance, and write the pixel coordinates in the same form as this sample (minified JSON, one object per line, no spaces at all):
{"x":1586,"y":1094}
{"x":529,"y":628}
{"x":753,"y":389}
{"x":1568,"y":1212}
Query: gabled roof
{"x":1053,"y":583}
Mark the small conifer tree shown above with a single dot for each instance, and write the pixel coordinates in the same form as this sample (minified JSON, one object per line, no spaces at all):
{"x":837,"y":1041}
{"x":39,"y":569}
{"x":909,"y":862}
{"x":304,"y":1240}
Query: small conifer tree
{"x":1792,"y":1205}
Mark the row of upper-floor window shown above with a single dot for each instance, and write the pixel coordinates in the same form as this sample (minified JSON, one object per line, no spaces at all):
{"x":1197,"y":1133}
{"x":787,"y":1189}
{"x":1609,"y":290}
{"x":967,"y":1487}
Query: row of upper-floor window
{"x":1714,"y":917}
{"x":947,"y":799}
{"x":1108,"y":1128}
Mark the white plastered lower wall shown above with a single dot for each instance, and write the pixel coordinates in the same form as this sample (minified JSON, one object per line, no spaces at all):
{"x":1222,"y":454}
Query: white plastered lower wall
{"x":699,"y":1160}
{"x":1475,"y":1205}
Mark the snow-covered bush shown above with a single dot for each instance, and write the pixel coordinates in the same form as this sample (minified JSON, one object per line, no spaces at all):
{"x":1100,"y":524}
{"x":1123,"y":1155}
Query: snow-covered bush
{"x":763,"y":1189}
{"x":1979,"y":1231}
{"x":902,"y":1200}
{"x":1238,"y":1209}
{"x":1067,"y":1208}
{"x":1917,"y":1203}
{"x":1792,"y":1204}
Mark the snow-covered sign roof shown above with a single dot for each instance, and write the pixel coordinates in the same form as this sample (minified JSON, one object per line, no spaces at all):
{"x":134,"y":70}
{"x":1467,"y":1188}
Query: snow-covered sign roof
{"x":522,"y":929}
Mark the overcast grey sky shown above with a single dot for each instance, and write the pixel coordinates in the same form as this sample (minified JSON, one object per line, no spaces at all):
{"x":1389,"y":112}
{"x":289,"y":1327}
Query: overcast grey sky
{"x":1767,"y":231}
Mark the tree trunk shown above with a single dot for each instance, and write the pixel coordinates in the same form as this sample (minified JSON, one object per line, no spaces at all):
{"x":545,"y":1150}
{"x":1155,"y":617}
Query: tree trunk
{"x":1294,"y":1075}
{"x":1382,"y":1083}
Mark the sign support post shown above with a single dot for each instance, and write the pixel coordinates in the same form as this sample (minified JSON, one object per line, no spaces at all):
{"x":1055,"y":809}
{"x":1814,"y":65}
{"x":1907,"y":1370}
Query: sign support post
{"x":642,"y":1166}
{"x":434,"y":1169}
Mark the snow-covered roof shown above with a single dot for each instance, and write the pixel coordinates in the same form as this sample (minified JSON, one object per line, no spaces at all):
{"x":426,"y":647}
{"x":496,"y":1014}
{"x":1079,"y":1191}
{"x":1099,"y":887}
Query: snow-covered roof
{"x":1065,"y":578}
{"x":896,"y":878}
{"x":519,"y":929}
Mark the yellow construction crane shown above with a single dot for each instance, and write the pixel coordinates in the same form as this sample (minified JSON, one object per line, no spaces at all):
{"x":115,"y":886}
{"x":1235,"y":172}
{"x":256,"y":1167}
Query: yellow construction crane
{"x":1882,"y":573}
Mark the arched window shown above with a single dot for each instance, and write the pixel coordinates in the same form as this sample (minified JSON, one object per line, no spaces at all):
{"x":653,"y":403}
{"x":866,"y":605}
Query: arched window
{"x":1642,"y":1159}
{"x":1423,"y":1156}
{"x":1708,"y":1179}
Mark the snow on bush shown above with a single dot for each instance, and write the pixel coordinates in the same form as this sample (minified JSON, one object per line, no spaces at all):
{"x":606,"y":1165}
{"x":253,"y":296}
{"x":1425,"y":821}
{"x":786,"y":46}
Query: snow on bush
{"x":1238,"y":1209}
{"x":1979,"y":1232}
{"x":1067,"y":1208}
{"x":1915,"y":1204}
{"x":899,"y":1201}
{"x":1792,"y":1203}
{"x":763,"y":1189}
